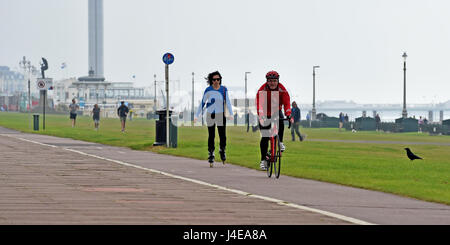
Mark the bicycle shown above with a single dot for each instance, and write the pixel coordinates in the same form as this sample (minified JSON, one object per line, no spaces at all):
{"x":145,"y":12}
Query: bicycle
{"x":274,"y":153}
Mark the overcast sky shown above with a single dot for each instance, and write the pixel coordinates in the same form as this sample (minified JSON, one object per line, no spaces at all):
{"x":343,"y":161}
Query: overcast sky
{"x":358,"y":44}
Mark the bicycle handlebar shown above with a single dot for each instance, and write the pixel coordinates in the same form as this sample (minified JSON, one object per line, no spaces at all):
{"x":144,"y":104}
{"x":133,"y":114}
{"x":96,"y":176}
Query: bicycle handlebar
{"x":284,"y":119}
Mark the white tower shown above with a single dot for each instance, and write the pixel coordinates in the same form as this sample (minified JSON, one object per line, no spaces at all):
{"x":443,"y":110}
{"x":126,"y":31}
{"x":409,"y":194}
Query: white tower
{"x":95,"y":19}
{"x":95,"y":80}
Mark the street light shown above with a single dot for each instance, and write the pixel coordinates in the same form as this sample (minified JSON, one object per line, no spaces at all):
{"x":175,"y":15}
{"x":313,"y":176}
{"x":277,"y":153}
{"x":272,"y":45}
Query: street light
{"x":26,"y":65}
{"x":192,"y":105}
{"x":154,"y":98}
{"x":404,"y":112}
{"x":313,"y":111}
{"x":246,"y":102}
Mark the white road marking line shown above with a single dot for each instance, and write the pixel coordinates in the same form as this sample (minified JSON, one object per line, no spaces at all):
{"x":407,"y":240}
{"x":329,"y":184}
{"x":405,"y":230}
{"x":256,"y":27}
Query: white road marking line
{"x":31,"y":141}
{"x":274,"y":200}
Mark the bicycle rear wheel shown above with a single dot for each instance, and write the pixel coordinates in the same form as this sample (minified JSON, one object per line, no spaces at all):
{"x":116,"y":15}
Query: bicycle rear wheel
{"x":277,"y":162}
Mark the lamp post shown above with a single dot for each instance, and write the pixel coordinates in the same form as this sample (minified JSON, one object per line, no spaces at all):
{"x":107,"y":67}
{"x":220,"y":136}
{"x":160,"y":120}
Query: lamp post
{"x":404,"y":112}
{"x":26,"y":65}
{"x":313,"y":111}
{"x":246,"y":102}
{"x":192,"y":105}
{"x":154,"y":98}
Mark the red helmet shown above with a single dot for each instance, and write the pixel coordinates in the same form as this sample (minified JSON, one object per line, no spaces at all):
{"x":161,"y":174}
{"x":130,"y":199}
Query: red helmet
{"x":272,"y":75}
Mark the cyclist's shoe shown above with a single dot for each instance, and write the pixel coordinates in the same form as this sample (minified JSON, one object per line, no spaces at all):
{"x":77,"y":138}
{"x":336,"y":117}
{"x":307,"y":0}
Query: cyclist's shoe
{"x":211,"y":158}
{"x":282,"y":147}
{"x":223,"y":157}
{"x":263,"y":165}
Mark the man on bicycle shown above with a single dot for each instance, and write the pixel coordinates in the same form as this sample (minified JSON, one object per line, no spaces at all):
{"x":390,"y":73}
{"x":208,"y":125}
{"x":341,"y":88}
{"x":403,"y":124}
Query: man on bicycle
{"x":271,"y":97}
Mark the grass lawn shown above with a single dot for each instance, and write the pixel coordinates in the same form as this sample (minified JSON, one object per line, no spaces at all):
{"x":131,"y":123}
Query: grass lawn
{"x":382,"y":167}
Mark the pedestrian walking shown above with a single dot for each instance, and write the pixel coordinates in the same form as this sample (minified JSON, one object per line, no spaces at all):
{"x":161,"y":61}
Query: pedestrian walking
{"x":122,"y":112}
{"x":341,"y":120}
{"x":131,"y":114}
{"x":296,"y":114}
{"x":214,"y":98}
{"x":73,"y":112}
{"x":96,"y":116}
{"x":378,"y":122}
{"x":420,"y":124}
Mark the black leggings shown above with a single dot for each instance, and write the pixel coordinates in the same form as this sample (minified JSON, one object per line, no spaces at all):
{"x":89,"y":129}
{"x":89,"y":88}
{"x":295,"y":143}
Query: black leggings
{"x":264,"y":143}
{"x":212,"y":134}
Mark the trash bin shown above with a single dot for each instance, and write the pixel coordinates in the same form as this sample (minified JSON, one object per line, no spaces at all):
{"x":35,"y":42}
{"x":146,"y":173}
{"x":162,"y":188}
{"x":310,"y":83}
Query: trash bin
{"x":160,"y":136}
{"x":36,"y":122}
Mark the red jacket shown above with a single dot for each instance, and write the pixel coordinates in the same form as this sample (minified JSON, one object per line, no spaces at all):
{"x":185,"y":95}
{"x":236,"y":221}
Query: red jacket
{"x":264,"y":95}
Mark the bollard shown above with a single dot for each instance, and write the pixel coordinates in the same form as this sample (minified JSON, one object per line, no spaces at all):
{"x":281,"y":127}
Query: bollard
{"x":36,"y":122}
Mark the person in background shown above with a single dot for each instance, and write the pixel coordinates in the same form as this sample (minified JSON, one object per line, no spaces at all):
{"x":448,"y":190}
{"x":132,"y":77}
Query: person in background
{"x":122,"y":112}
{"x":73,"y":112}
{"x":378,"y":122}
{"x":341,"y":120}
{"x":420,"y":124}
{"x":96,"y":116}
{"x":296,"y":115}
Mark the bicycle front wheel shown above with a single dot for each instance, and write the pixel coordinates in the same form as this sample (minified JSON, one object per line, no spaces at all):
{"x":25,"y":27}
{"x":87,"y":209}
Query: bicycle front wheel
{"x":270,"y":157}
{"x":277,"y":162}
{"x":269,"y":168}
{"x":276,"y":148}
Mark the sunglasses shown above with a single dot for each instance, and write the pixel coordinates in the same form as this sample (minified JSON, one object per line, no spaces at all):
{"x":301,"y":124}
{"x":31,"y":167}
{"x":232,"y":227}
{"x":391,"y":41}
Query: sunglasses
{"x":216,"y":79}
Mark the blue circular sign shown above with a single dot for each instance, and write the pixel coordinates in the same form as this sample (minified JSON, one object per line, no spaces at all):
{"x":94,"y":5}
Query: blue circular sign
{"x":168,"y":58}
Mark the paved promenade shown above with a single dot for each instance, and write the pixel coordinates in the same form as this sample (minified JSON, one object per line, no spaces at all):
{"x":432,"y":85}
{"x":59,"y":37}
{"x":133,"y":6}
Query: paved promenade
{"x":49,"y":185}
{"x":50,"y":180}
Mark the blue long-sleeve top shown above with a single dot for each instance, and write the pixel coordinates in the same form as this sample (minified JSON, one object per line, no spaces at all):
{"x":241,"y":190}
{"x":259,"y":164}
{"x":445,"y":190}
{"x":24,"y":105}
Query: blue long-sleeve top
{"x":214,"y":101}
{"x":296,"y":114}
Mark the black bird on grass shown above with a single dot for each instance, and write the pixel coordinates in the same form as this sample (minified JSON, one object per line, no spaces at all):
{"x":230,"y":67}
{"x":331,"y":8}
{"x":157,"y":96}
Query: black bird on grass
{"x":411,"y":155}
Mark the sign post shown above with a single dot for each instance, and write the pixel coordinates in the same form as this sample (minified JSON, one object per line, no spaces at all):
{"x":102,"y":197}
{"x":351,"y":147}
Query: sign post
{"x":43,"y":84}
{"x":168,"y":59}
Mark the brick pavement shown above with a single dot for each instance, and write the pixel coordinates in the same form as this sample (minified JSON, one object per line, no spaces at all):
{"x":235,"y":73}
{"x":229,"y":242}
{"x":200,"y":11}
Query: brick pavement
{"x":45,"y":185}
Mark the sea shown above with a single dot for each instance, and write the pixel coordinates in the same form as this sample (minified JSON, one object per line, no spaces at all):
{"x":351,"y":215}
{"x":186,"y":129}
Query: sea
{"x":387,"y":115}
